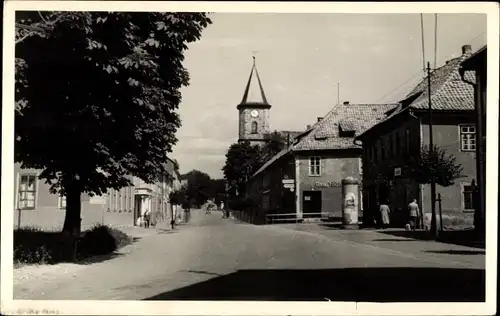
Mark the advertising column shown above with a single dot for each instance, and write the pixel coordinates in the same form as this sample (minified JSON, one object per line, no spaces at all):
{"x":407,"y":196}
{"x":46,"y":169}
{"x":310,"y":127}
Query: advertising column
{"x":350,"y":203}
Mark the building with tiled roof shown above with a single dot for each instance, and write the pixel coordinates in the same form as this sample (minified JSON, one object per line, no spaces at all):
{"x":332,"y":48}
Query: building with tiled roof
{"x":389,"y":146}
{"x":478,"y":64}
{"x":303,"y":180}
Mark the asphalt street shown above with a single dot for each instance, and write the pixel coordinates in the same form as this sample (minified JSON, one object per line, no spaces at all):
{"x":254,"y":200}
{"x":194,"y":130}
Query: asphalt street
{"x":212,"y":258}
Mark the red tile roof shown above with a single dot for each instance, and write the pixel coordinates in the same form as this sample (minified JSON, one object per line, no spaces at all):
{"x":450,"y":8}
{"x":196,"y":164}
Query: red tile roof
{"x":448,"y":90}
{"x":324,"y":135}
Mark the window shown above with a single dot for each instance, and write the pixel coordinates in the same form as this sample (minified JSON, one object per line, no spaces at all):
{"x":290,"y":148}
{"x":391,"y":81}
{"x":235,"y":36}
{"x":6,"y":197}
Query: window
{"x":382,"y":149}
{"x":254,"y":127}
{"x":27,"y":191}
{"x":315,"y":166}
{"x":375,"y":153}
{"x":468,"y":197}
{"x":117,"y":200}
{"x":127,"y":194}
{"x":468,"y":138}
{"x":391,"y":145}
{"x":407,"y":141}
{"x":61,"y":202}
{"x":398,"y":145}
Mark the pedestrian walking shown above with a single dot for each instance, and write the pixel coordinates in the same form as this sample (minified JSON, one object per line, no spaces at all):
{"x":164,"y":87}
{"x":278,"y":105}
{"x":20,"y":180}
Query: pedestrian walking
{"x":384,"y":214}
{"x":413,"y":212}
{"x":147,"y":218}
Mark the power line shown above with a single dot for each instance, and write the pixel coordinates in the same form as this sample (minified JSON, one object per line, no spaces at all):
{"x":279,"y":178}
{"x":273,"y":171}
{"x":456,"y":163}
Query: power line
{"x":423,"y":42}
{"x":435,"y":38}
{"x":401,"y":85}
{"x":419,"y":72}
{"x":475,"y":38}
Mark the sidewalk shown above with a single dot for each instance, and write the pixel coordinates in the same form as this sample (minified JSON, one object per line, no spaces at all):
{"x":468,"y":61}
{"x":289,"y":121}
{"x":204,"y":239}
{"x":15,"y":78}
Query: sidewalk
{"x":391,"y":240}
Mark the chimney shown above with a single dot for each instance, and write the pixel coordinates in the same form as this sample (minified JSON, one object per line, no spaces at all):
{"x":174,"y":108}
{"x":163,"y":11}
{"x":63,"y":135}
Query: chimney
{"x":308,"y":127}
{"x":466,"y":49}
{"x":319,"y":119}
{"x":346,"y":102}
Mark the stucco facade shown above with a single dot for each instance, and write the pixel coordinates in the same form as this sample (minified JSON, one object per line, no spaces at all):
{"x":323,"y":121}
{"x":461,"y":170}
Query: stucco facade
{"x":335,"y":166}
{"x":35,"y":206}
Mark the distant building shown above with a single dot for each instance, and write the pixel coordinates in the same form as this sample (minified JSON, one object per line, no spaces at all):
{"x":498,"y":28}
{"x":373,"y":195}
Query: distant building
{"x":254,"y":111}
{"x":36,"y":206}
{"x":388,"y":146}
{"x":304,"y":179}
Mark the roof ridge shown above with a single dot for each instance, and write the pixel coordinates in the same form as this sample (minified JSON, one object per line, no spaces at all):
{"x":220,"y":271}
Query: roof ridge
{"x":314,"y":126}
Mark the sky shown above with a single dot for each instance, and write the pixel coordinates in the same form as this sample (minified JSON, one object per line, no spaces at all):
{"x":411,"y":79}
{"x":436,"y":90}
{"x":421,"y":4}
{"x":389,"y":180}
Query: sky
{"x":375,"y":58}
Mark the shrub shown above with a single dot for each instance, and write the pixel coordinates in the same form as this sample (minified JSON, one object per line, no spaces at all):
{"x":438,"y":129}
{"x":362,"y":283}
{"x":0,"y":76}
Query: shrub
{"x":35,"y":246}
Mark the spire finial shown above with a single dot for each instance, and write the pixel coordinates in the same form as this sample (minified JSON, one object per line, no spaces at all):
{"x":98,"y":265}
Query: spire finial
{"x":254,"y":52}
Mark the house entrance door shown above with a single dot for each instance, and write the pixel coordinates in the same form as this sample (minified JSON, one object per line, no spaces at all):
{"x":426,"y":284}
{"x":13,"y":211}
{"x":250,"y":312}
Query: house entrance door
{"x":137,"y":208}
{"x":311,"y":204}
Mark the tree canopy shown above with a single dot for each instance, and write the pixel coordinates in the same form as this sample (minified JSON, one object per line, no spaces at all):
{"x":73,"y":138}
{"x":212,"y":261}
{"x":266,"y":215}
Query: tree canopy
{"x":199,"y":188}
{"x":97,"y":94}
{"x":436,"y":164}
{"x":242,"y":161}
{"x":276,"y":142}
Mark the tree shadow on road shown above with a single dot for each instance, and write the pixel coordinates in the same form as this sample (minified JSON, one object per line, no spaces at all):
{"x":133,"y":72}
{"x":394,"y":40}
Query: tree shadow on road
{"x":394,"y":239}
{"x":351,"y":284}
{"x":459,"y":252}
{"x":466,"y":238}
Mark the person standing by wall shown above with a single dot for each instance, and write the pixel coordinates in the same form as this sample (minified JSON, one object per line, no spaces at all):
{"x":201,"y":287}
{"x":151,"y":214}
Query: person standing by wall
{"x":413,"y":212}
{"x":384,"y":214}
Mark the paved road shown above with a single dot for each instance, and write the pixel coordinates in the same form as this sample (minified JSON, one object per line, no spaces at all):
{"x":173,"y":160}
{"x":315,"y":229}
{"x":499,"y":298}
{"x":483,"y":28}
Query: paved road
{"x":220,"y":259}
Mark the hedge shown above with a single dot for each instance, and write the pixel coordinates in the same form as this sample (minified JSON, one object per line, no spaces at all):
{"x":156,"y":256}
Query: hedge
{"x":33,"y":245}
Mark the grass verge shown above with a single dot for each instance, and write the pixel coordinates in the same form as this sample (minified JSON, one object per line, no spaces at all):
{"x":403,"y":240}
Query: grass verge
{"x":33,"y":245}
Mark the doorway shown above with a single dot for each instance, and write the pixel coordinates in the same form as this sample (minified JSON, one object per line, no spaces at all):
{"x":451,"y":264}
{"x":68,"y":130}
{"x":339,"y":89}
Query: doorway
{"x":137,"y":208}
{"x":311,"y":204}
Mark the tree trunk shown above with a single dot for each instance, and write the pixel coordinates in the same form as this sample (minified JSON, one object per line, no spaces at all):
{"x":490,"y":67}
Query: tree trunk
{"x":72,"y":220}
{"x":433,"y":231}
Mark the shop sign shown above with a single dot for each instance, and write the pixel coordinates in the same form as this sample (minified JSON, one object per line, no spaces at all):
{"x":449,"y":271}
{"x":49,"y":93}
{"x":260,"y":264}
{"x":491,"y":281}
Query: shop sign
{"x":327,"y":184}
{"x":397,"y":172}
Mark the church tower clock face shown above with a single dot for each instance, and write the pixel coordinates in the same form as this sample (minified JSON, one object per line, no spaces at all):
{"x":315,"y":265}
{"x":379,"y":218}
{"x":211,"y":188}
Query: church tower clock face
{"x":254,"y":113}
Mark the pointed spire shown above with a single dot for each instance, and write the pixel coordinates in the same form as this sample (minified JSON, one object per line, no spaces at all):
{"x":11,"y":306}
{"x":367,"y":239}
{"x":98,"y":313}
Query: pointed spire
{"x":254,"y":92}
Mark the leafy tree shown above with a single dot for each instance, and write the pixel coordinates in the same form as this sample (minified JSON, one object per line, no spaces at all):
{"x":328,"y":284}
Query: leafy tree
{"x":199,"y":187}
{"x":276,"y":142}
{"x":97,"y":94}
{"x":242,"y":161}
{"x":218,"y":190}
{"x":436,"y":165}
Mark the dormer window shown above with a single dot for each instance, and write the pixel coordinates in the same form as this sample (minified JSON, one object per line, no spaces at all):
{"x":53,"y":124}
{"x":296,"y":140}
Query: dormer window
{"x":347,"y":129}
{"x":254,"y":127}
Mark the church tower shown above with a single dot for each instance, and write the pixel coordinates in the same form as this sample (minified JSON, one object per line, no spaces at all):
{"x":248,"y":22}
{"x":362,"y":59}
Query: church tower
{"x":253,"y":111}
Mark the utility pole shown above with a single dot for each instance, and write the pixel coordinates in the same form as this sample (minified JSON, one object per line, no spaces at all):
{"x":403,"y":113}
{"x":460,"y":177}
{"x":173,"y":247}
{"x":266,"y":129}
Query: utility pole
{"x":431,"y":149}
{"x":338,"y":92}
